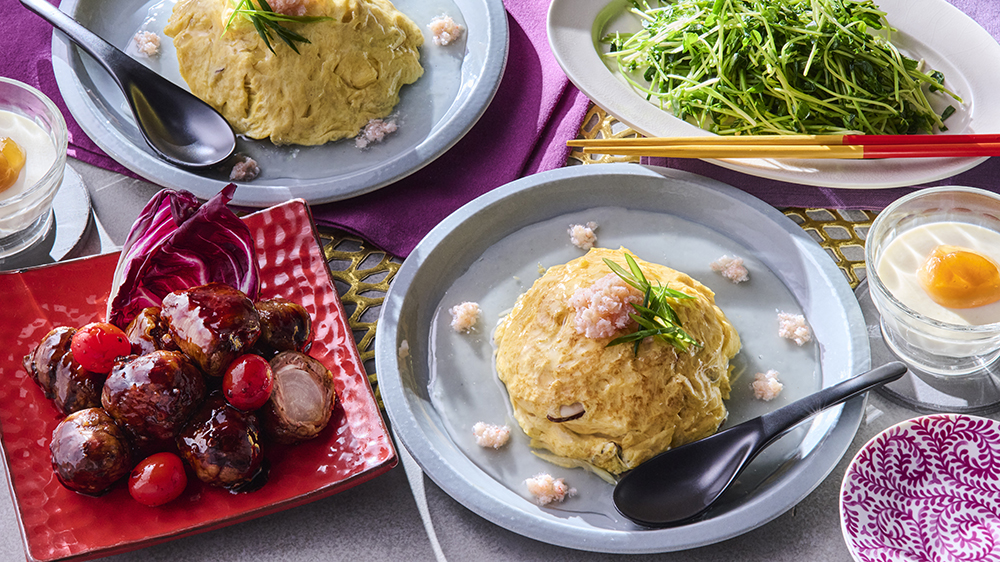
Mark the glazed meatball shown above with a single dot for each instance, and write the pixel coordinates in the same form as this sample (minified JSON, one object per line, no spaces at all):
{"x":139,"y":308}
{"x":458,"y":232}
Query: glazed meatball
{"x":284,"y":326}
{"x":154,"y":395}
{"x":89,"y":452}
{"x":221,"y":445}
{"x":148,"y":332}
{"x":61,"y":378}
{"x":213,"y":324}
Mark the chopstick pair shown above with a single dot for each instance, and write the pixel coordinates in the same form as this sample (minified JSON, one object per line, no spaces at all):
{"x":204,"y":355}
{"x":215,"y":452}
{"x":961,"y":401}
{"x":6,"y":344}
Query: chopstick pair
{"x":799,"y":146}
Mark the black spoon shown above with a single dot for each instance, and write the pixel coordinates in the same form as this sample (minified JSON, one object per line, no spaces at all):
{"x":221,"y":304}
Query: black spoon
{"x":681,"y":484}
{"x":179,"y":127}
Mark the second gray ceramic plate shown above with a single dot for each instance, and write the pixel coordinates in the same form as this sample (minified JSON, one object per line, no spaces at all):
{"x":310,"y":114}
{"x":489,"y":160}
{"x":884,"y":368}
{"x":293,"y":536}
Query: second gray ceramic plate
{"x":435,"y":112}
{"x":437,"y":383}
{"x":930,"y":30}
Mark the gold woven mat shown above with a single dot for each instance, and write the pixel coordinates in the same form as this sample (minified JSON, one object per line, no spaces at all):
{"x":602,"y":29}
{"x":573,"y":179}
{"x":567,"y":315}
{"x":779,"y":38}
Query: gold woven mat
{"x":362,"y":273}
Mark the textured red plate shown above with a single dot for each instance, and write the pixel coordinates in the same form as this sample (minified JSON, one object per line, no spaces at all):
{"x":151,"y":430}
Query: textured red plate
{"x":58,"y":524}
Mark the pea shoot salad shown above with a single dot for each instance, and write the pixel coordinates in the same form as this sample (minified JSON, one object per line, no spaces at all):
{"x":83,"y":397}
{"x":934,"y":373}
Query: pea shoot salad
{"x":778,"y":67}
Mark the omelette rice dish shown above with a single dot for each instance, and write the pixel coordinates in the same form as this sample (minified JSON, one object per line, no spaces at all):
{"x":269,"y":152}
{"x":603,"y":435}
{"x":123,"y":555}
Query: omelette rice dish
{"x":350,"y":71}
{"x":584,"y":400}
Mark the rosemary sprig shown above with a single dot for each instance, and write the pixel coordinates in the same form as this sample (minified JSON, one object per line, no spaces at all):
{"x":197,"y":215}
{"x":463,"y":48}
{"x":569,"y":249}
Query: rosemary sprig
{"x":655,"y":316}
{"x":265,"y":20}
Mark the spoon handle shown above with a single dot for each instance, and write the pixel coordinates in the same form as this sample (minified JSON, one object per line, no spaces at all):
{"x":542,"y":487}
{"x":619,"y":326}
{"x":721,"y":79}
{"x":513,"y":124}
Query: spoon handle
{"x":776,"y":423}
{"x":109,"y":56}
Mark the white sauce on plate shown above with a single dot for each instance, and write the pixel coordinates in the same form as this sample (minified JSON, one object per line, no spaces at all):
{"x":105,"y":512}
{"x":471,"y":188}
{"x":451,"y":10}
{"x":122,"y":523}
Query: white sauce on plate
{"x":903,"y":256}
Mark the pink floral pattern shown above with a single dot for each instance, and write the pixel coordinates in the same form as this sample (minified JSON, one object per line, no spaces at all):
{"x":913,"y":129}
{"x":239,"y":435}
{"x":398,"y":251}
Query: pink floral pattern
{"x":925,"y":490}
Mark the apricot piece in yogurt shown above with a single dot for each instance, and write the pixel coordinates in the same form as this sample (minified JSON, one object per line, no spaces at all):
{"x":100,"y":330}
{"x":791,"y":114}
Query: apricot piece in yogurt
{"x":957,"y":277}
{"x":11,"y":162}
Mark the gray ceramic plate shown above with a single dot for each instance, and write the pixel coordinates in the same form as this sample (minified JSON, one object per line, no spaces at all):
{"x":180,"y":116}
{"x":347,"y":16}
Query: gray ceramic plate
{"x":434,"y":113}
{"x":437,"y":383}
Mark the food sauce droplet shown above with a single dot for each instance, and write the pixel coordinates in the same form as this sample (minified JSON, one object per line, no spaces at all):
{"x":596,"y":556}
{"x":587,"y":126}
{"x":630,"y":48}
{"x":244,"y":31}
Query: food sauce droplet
{"x":11,"y":162}
{"x":957,"y":277}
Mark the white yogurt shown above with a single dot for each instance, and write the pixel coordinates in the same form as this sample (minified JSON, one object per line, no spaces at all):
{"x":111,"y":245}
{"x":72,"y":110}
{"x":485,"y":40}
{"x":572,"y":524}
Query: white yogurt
{"x":39,"y":151}
{"x":902,"y":257}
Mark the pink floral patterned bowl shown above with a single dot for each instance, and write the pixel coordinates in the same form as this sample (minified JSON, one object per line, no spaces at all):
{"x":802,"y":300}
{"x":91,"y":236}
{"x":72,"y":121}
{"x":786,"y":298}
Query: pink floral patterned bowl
{"x":925,"y":490}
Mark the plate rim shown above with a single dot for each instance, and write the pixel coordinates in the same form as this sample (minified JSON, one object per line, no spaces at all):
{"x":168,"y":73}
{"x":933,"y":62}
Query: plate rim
{"x":454,"y":480}
{"x":140,"y":160}
{"x":608,"y":89}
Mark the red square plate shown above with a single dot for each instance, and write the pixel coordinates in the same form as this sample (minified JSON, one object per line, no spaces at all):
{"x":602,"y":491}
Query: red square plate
{"x":57,"y":524}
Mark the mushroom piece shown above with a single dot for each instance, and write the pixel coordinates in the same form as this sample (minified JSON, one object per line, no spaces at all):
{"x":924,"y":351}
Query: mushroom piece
{"x":567,"y":413}
{"x":302,"y":398}
{"x":89,"y":452}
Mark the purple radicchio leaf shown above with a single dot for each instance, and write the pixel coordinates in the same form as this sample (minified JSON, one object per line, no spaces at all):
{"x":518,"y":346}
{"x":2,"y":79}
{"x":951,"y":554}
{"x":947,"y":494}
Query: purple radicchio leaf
{"x":177,"y":244}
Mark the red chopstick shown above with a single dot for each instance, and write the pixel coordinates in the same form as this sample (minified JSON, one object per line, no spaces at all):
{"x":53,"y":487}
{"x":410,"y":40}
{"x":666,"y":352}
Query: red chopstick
{"x":800,"y":146}
{"x":916,"y":150}
{"x":872,"y":140}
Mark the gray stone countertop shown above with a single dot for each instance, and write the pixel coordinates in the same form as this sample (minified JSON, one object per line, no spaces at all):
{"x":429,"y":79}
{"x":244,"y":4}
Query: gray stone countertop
{"x":382,"y":518}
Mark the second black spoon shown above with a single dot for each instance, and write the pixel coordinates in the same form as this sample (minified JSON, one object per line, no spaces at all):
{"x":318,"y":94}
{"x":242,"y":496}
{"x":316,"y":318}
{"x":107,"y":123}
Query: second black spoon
{"x":680,"y":484}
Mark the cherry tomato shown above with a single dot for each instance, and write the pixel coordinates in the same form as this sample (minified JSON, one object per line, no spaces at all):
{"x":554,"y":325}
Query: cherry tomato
{"x":96,"y":346}
{"x":247,"y":382}
{"x":158,"y":479}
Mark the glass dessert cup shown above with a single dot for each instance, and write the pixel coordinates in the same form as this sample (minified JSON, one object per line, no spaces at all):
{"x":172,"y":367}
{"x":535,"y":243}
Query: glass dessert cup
{"x":953,"y":365}
{"x":26,"y":215}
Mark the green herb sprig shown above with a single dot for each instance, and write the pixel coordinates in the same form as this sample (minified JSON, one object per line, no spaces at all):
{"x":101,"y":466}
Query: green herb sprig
{"x":655,"y":316}
{"x":265,"y":20}
{"x":778,"y":67}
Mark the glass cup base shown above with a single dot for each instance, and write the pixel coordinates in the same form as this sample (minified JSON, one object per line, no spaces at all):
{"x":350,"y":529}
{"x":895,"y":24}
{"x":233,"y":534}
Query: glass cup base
{"x":974,"y":392}
{"x":24,"y":239}
{"x":932,"y":363}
